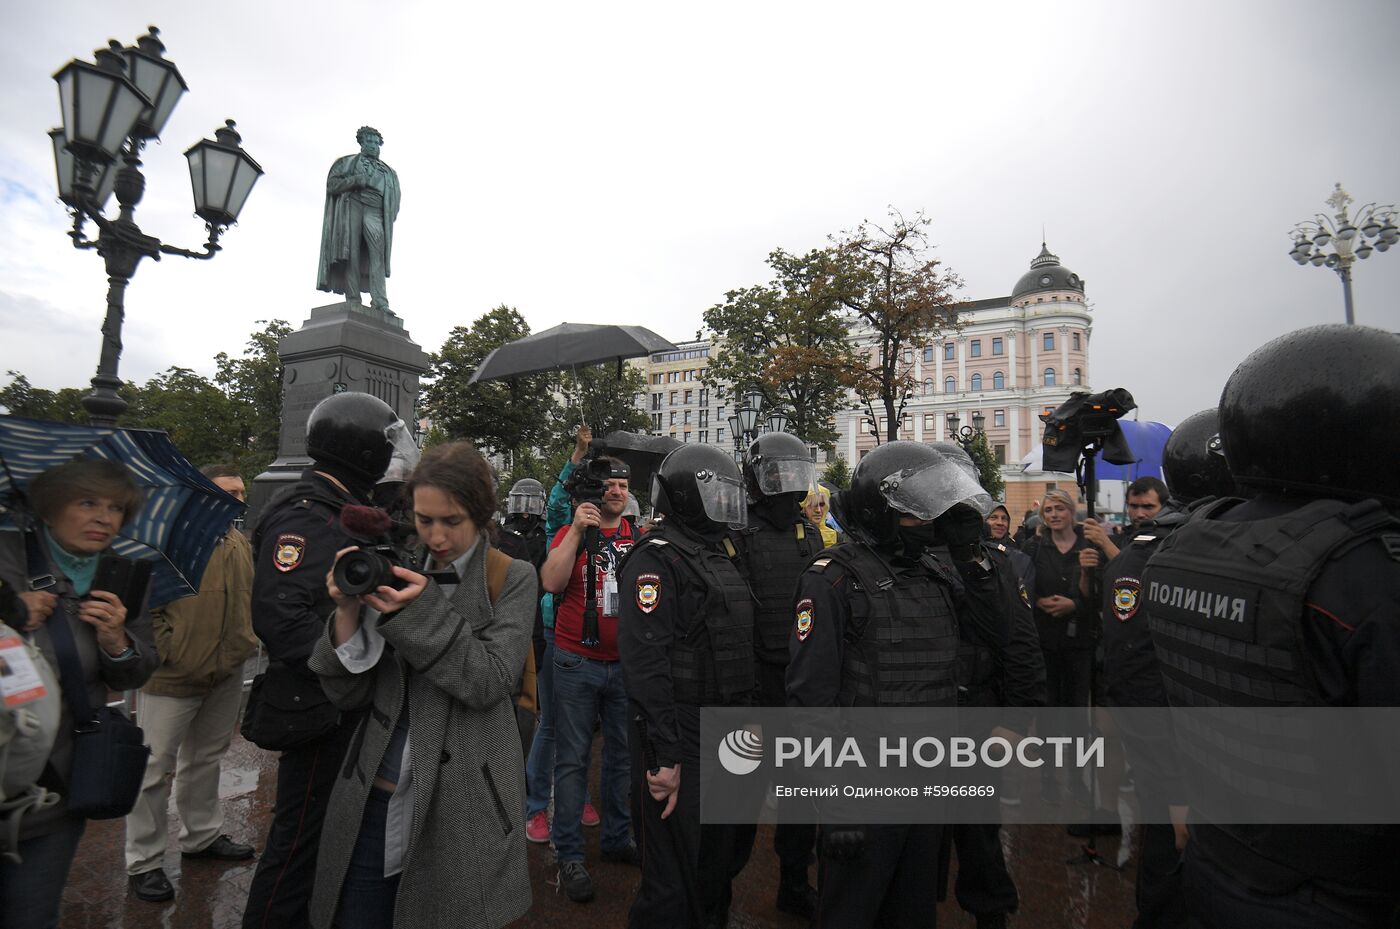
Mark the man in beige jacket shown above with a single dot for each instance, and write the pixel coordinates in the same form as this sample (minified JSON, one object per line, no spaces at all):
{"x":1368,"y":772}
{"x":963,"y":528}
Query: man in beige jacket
{"x":189,"y":707}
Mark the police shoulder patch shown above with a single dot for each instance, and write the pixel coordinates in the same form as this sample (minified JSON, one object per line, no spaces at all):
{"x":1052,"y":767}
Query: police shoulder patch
{"x":289,"y":551}
{"x":804,"y":619}
{"x":819,"y":564}
{"x":1127,"y":592}
{"x":648,"y":592}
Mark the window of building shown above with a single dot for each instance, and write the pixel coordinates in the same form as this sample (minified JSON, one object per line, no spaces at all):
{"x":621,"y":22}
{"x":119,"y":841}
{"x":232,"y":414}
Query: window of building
{"x":1076,"y":341}
{"x":998,"y":346}
{"x":976,"y":382}
{"x":928,"y":355}
{"x":719,"y":414}
{"x":976,"y":348}
{"x":868,"y":425}
{"x":1078,"y":376}
{"x":685,"y":417}
{"x":928,"y":385}
{"x":656,"y":401}
{"x":884,"y":425}
{"x":928,"y":422}
{"x":704,"y":396}
{"x":672,"y":377}
{"x":950,"y":351}
{"x":705,"y":436}
{"x":1049,"y":377}
{"x":685,"y":436}
{"x":719,"y":435}
{"x":950,"y":385}
{"x":704,"y":418}
{"x":1000,"y":452}
{"x":998,"y":417}
{"x":656,"y":421}
{"x":656,"y":378}
{"x":908,"y":356}
{"x":673,"y":417}
{"x":1048,"y":340}
{"x":906,"y":424}
{"x":998,"y":381}
{"x":674,"y":395}
{"x":689,"y":396}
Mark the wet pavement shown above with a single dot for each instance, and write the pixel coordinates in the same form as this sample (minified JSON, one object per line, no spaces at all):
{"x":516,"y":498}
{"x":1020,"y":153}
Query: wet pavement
{"x":210,"y":895}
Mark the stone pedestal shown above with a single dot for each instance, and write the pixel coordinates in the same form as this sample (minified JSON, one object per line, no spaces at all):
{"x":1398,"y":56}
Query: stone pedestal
{"x":342,"y":347}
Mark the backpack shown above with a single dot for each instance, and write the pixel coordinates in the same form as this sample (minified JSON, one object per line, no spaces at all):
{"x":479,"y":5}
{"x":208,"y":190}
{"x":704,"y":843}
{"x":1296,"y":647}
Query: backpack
{"x":27,"y":734}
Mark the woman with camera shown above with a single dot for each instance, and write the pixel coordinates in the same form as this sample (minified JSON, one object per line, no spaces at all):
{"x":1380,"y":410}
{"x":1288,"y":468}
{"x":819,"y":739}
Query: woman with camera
{"x":81,"y":506}
{"x":1068,"y":627}
{"x":425,"y":826}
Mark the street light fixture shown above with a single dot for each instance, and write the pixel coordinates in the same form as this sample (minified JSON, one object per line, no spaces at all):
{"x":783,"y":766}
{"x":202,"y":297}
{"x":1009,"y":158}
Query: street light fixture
{"x":1372,"y":229}
{"x":111,"y":109}
{"x":967,"y":434}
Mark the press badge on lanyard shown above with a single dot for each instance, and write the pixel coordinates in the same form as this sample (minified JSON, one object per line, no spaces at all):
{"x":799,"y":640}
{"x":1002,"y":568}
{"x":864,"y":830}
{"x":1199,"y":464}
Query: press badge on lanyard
{"x":610,"y":604}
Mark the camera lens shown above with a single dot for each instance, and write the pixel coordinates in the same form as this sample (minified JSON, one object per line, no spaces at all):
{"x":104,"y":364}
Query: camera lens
{"x":360,"y":572}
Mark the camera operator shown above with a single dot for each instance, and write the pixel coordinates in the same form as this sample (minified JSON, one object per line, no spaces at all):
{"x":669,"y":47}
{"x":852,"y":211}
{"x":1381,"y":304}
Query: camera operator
{"x":587,"y":677}
{"x":352,"y":439}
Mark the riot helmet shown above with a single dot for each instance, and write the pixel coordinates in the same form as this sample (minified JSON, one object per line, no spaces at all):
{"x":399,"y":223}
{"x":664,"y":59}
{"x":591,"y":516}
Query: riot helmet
{"x":778,"y":463}
{"x":526,"y":498}
{"x":1193,"y":461}
{"x":633,"y":509}
{"x":905,"y":478}
{"x":1314,"y":412}
{"x":360,"y":434}
{"x":699,"y":487}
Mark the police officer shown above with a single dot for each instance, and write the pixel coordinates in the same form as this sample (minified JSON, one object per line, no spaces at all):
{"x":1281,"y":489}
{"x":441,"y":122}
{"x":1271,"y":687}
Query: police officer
{"x":1314,"y":561}
{"x":352,"y":439}
{"x":875,"y":626}
{"x":523,"y":537}
{"x":1132,"y":677}
{"x":1000,"y":664}
{"x":685,"y":634}
{"x":775,"y":549}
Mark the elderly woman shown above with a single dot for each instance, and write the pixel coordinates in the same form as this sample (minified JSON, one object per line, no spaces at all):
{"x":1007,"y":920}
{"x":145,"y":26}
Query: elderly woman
{"x":81,"y":506}
{"x":425,"y":826}
{"x":815,"y":507}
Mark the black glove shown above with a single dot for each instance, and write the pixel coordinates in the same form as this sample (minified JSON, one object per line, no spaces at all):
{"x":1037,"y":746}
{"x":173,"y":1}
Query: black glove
{"x":845,"y":843}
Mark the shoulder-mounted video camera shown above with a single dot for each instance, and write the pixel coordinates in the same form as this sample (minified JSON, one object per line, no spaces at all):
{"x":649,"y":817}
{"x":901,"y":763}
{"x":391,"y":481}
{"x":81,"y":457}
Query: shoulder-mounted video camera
{"x":589,"y":480}
{"x":1083,"y":420}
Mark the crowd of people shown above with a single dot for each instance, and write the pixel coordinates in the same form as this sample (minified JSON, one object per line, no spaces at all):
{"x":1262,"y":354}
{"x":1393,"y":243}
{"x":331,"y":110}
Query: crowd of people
{"x":435,"y":703}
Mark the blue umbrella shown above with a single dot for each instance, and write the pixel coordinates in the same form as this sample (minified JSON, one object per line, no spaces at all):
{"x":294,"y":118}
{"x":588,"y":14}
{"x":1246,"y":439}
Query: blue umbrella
{"x":184,"y":514}
{"x":1146,"y":439}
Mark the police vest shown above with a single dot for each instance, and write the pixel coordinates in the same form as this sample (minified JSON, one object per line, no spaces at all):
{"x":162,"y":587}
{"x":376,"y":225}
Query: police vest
{"x":977,"y":677}
{"x":1225,"y":602}
{"x":902,"y":637}
{"x":712,"y":661}
{"x":1131,"y":676}
{"x":776,"y":557}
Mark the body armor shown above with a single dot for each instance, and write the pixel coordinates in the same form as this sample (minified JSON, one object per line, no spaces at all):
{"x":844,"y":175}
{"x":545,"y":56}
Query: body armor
{"x":712,"y":658}
{"x":1226,"y":602}
{"x":776,"y":556}
{"x":902,"y":638}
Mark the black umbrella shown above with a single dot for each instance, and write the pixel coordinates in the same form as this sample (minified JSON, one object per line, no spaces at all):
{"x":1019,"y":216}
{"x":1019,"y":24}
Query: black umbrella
{"x":569,"y":345}
{"x":641,"y":453}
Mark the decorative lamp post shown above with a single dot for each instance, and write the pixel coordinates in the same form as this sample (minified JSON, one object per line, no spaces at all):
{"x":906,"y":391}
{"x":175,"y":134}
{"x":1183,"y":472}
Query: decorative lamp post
{"x":967,"y":434}
{"x":777,"y":422}
{"x":1372,"y":229}
{"x":111,"y":109}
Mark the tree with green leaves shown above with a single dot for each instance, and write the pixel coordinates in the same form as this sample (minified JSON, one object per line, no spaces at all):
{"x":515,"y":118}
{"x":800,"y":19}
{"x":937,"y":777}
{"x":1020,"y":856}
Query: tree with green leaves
{"x":253,"y":384}
{"x":988,"y":471}
{"x":500,"y":417}
{"x":205,"y":424}
{"x":789,"y":339}
{"x":837,"y":473}
{"x":900,"y":295}
{"x":604,"y":396}
{"x":20,"y":398}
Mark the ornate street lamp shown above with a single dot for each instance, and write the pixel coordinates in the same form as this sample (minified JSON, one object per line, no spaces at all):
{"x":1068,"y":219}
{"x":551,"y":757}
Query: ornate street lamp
{"x":1372,"y":229}
{"x":967,"y":434}
{"x":111,"y":109}
{"x":777,"y":422}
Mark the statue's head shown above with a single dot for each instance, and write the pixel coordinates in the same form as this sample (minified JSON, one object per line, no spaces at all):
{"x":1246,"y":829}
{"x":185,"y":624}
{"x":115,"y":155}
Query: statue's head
{"x":370,"y":140}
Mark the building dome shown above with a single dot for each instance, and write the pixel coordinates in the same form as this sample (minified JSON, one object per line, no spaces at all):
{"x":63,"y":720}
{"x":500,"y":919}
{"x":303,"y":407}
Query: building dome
{"x":1047,"y":273}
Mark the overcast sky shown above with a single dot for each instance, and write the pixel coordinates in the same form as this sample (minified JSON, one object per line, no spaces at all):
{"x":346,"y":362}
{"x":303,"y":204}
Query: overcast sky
{"x":630,"y":163}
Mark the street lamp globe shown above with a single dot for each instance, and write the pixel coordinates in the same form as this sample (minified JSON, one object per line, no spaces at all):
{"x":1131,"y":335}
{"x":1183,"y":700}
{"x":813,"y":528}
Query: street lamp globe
{"x":155,"y":77}
{"x":222,"y":175}
{"x":100,"y":105}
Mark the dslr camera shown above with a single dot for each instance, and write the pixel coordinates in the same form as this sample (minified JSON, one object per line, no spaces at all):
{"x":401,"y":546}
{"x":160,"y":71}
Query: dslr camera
{"x":370,"y":566}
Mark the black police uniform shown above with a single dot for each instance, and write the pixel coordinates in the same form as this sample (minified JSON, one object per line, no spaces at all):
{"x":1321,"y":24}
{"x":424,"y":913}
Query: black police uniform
{"x":1132,"y":677}
{"x":685,"y":638}
{"x":875,"y":630}
{"x":295,"y":544}
{"x":774,"y":554}
{"x":1000,"y":664}
{"x":523,"y":538}
{"x":1319,"y":586}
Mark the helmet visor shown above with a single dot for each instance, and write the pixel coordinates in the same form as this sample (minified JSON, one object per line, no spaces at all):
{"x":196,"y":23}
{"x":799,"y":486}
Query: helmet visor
{"x":723,"y":498}
{"x":529,"y":504}
{"x":405,"y":455}
{"x":928,"y":493}
{"x":785,"y":475}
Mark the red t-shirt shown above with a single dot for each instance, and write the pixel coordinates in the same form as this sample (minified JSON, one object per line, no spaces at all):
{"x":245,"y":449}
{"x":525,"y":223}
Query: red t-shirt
{"x":568,"y":612}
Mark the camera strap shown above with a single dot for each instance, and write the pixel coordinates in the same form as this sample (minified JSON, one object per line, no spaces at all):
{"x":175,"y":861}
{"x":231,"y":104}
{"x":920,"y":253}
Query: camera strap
{"x":65,"y":648}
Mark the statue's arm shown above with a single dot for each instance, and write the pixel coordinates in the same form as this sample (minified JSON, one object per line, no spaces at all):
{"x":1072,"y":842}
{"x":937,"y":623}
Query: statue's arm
{"x":343,"y":177}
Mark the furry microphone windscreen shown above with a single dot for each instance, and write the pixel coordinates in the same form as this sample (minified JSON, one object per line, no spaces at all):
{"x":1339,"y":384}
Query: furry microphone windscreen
{"x":365,"y":522}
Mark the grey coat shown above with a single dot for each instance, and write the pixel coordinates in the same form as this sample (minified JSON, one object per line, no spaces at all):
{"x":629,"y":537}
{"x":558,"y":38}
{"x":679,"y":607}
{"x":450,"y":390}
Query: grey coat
{"x":465,"y":861}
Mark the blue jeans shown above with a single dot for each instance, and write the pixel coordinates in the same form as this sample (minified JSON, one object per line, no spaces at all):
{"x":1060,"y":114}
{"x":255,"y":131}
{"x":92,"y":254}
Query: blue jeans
{"x":539,"y":767}
{"x":30,"y":892}
{"x":367,"y":896}
{"x":585,"y":689}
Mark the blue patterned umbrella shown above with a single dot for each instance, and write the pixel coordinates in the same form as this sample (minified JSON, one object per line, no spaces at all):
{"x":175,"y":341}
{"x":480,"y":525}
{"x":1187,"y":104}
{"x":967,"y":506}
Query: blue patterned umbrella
{"x":184,"y":514}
